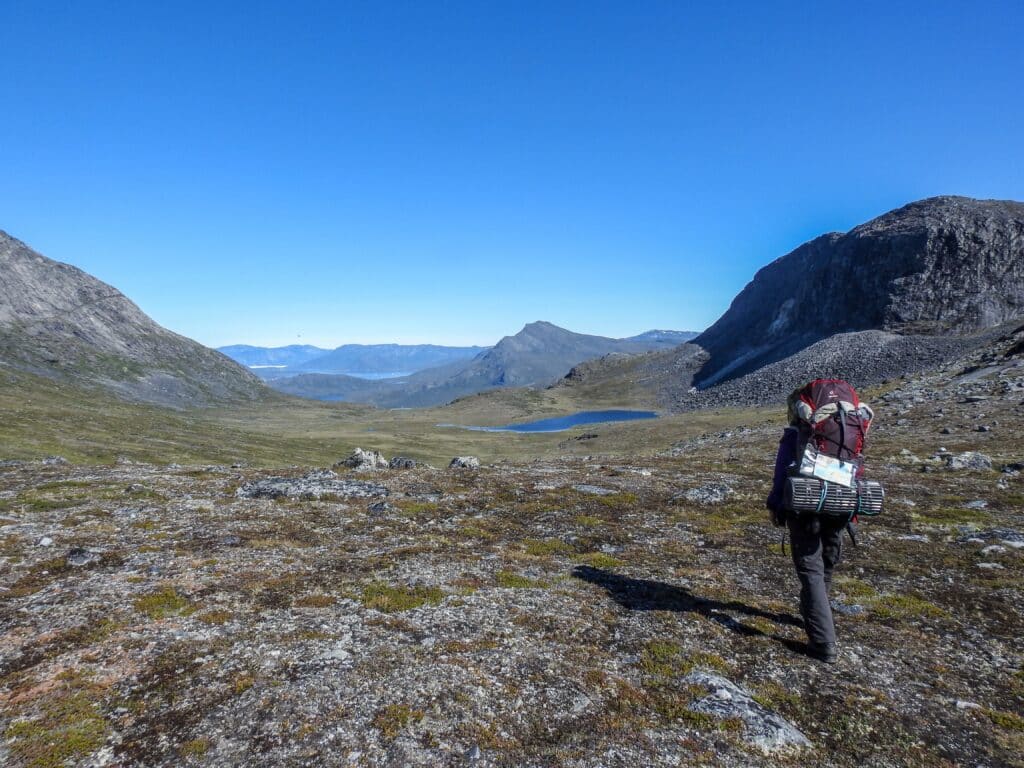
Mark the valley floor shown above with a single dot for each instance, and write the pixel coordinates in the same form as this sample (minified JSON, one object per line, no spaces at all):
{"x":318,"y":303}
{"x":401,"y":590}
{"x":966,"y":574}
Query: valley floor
{"x":569,"y":611}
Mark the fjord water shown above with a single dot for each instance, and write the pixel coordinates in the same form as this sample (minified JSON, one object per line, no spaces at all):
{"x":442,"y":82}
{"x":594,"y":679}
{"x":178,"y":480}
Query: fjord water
{"x":562,"y":423}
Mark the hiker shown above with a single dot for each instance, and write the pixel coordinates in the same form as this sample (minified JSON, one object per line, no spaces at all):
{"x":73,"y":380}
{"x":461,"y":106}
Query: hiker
{"x":826,"y":418}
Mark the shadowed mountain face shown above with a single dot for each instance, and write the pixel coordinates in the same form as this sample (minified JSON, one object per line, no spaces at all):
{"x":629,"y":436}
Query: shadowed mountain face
{"x":59,"y":321}
{"x":938,"y":266}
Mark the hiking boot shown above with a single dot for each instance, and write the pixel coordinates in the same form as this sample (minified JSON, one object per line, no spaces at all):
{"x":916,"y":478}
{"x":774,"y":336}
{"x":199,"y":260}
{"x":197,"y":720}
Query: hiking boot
{"x":825,"y":652}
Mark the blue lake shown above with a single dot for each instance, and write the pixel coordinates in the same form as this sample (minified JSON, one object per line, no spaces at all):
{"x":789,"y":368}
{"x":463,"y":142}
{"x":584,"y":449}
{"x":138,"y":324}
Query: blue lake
{"x":562,"y":423}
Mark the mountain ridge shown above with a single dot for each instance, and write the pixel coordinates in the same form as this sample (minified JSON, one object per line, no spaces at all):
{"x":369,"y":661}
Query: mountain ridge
{"x":59,"y":321}
{"x":537,"y":356}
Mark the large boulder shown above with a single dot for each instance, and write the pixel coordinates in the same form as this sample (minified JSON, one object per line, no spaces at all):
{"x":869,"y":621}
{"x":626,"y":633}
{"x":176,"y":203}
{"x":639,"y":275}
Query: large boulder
{"x":364,"y":461}
{"x":464,"y":462}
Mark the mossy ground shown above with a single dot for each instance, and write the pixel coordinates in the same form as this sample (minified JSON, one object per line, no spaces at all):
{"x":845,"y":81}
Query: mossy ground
{"x":502,"y":608}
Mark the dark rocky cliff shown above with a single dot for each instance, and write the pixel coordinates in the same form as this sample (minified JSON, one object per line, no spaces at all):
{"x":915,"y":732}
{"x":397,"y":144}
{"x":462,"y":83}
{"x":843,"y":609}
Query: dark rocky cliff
{"x":937,"y":266}
{"x":59,"y":321}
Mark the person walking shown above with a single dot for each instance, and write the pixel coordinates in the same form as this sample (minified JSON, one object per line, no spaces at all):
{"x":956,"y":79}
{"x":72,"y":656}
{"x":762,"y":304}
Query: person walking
{"x":815,"y":539}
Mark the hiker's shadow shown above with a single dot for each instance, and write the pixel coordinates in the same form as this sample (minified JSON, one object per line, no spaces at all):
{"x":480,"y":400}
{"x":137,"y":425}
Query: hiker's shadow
{"x":647,"y":595}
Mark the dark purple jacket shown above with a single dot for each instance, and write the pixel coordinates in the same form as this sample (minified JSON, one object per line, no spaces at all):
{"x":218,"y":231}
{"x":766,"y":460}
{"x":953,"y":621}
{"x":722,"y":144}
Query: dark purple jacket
{"x":785,"y":457}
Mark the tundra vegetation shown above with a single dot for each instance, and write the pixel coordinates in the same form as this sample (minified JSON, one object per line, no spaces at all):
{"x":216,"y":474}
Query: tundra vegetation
{"x":565,"y":604}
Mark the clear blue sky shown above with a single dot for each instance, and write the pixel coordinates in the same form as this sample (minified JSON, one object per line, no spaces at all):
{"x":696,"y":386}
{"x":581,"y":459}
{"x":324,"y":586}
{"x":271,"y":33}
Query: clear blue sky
{"x":336,"y":172}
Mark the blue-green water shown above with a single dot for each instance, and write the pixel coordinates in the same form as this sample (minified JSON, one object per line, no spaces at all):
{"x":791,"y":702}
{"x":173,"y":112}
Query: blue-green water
{"x":562,"y":423}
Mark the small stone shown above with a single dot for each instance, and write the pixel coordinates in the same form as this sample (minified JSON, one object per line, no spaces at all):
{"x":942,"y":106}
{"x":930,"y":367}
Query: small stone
{"x":380,"y":508}
{"x":991,"y":566}
{"x":231,"y":540}
{"x":946,"y":431}
{"x":79,"y":556}
{"x":53,"y":461}
{"x":473,"y":753}
{"x":45,"y":541}
{"x":712,"y":493}
{"x":464,"y":462}
{"x":968,"y":460}
{"x":976,"y":504}
{"x":135,"y":488}
{"x":848,"y":610}
{"x":593,"y":490}
{"x":993,"y":549}
{"x":983,"y":428}
{"x":961,"y":704}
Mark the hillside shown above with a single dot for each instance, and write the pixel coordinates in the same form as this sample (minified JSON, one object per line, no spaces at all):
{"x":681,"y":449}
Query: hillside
{"x":60,"y":322}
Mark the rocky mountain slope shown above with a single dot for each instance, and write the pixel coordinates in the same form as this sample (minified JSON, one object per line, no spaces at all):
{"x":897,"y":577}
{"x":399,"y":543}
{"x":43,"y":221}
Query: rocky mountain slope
{"x":944,"y":265}
{"x":904,"y":293}
{"x":59,"y":321}
{"x":536,"y":356}
{"x":571,"y":611}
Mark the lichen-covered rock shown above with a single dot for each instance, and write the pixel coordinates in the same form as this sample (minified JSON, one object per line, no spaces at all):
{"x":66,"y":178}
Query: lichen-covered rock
{"x":464,"y":462}
{"x":968,"y":460}
{"x":762,"y":728}
{"x":313,"y":485}
{"x":712,"y":493}
{"x":402,"y":462}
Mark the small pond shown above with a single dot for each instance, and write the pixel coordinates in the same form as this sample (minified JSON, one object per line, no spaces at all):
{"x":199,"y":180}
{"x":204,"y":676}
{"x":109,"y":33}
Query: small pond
{"x":562,"y":423}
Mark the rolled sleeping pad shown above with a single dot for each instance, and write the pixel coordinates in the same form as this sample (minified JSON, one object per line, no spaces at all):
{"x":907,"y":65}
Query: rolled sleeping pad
{"x":804,"y":494}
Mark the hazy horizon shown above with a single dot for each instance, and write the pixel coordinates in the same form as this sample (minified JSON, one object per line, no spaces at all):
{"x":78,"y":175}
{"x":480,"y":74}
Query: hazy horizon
{"x":331,"y":346}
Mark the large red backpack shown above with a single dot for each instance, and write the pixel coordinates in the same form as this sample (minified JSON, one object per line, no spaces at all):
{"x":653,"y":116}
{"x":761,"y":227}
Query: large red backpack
{"x":830,"y":416}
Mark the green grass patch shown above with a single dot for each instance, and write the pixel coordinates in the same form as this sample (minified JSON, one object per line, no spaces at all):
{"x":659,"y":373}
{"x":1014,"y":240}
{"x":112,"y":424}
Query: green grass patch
{"x":389,"y":599}
{"x":215,"y":617}
{"x":163,"y":604}
{"x":617,"y":500}
{"x":512,"y":580}
{"x":854,"y":588}
{"x":393,"y":719}
{"x":1011,"y":721}
{"x":315,"y":601}
{"x":67,"y":728}
{"x":195,"y":747}
{"x":907,"y":606}
{"x":415,"y":508}
{"x":598,"y":560}
{"x":662,"y":658}
{"x":546,"y":547}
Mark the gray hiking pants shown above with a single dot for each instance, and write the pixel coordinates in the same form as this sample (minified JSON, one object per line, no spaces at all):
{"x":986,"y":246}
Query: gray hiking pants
{"x":817,"y":545}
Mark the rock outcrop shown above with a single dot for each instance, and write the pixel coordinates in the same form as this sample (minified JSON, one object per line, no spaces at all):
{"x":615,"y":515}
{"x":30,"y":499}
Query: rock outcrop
{"x":937,"y":266}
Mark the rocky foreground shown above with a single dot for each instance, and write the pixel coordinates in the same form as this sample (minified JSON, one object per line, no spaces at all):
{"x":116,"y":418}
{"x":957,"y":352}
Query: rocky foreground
{"x":576,"y":612}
